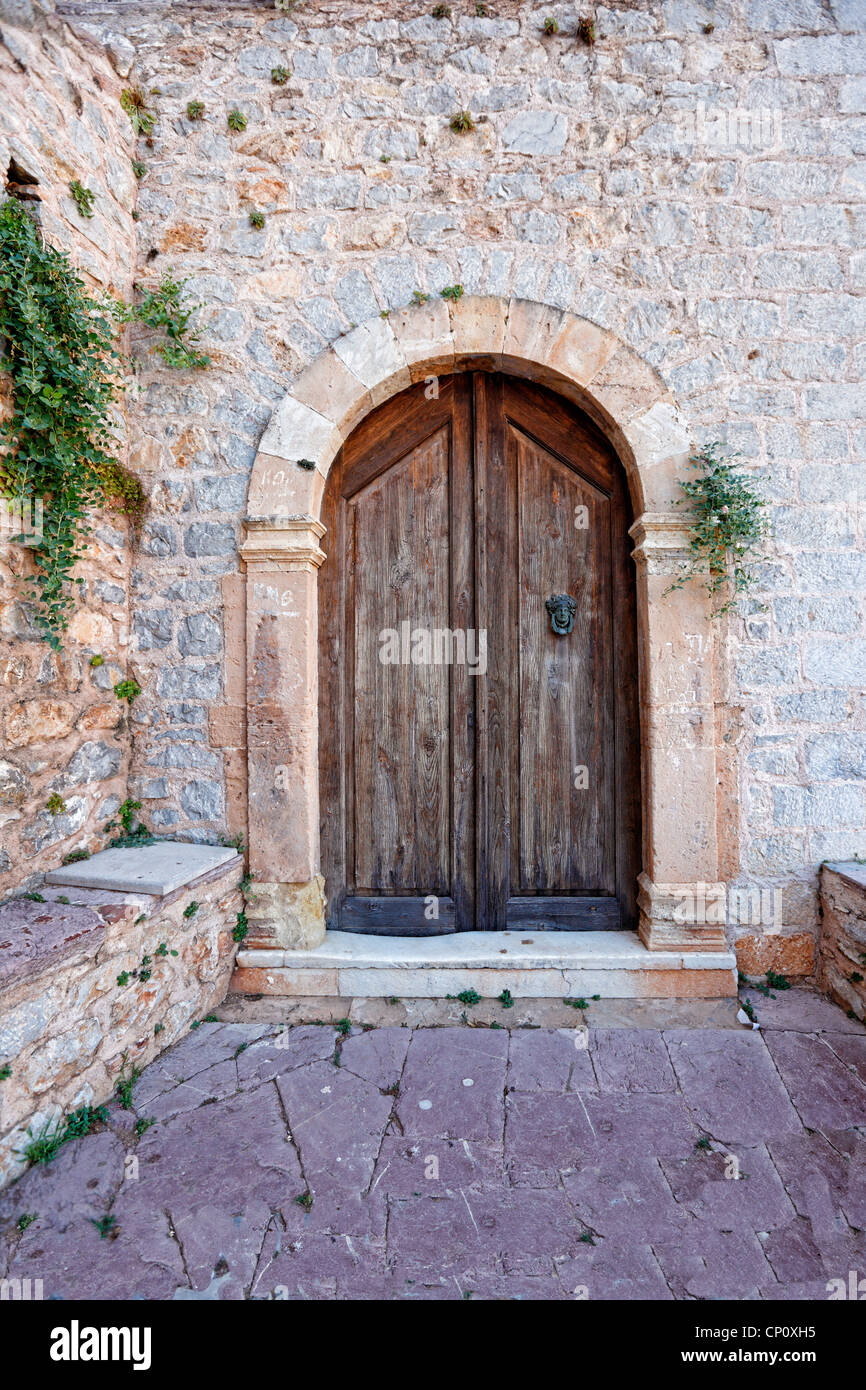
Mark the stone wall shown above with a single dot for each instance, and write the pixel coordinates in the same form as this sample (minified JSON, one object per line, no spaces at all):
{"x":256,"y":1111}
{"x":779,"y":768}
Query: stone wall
{"x":842,"y":955}
{"x":693,"y":182}
{"x":61,"y":728}
{"x":95,"y":982}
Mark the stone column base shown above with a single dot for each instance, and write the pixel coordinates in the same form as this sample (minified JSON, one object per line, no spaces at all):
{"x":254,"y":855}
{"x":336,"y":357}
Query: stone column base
{"x":286,"y":915}
{"x":681,"y":916}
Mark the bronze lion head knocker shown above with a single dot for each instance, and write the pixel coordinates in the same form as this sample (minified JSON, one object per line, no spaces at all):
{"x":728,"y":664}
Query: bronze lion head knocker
{"x":561,"y":608}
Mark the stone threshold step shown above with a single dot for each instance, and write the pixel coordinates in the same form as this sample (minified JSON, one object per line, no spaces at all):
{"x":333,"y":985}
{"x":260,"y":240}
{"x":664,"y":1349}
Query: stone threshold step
{"x":541,"y":964}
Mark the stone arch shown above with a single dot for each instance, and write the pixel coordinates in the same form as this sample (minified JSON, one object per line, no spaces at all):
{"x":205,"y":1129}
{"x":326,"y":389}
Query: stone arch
{"x":282,"y":552}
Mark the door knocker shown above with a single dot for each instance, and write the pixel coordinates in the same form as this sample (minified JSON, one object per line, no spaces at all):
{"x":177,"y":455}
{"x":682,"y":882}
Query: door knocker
{"x":561,"y":608}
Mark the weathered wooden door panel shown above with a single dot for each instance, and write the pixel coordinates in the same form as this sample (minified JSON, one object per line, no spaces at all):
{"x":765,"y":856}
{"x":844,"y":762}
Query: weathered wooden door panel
{"x":564,"y":783}
{"x":399,"y":577}
{"x":500,"y":800}
{"x":402,"y":765}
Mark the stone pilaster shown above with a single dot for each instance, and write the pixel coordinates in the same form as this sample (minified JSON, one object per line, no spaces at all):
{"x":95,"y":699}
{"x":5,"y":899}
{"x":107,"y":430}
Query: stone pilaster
{"x":282,"y":556}
{"x":679,"y":892}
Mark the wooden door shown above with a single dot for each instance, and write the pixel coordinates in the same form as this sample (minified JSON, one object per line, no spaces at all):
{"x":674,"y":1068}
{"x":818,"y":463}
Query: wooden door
{"x":477,"y":770}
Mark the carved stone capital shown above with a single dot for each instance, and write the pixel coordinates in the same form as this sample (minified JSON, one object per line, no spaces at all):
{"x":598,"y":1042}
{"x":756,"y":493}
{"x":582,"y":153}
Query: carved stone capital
{"x":283,"y":542}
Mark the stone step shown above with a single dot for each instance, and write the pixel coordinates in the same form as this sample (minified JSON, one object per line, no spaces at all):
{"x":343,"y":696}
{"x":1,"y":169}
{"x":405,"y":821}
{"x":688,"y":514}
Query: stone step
{"x":612,"y":965}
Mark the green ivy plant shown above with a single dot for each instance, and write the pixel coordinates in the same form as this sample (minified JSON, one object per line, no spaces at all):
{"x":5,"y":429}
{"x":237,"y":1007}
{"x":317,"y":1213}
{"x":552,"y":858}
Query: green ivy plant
{"x":57,"y":440}
{"x":727,"y":522}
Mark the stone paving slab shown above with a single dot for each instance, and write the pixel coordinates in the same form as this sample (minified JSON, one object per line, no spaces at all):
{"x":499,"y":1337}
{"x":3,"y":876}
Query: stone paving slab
{"x":406,"y":1163}
{"x":154,"y":869}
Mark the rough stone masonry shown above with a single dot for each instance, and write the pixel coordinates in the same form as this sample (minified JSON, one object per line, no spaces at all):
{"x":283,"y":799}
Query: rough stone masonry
{"x":693,"y":182}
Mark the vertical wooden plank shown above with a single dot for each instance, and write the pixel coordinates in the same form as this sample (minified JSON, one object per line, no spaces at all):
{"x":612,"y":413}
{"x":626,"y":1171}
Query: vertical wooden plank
{"x":332,"y":789}
{"x":496,"y":582}
{"x":464,"y":687}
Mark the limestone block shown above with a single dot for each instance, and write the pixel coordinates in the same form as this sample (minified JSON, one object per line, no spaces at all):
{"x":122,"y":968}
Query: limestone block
{"x":288,"y":915}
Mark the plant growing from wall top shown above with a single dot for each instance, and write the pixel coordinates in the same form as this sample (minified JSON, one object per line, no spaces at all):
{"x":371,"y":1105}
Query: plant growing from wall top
{"x":727,"y":522}
{"x":58,"y":438}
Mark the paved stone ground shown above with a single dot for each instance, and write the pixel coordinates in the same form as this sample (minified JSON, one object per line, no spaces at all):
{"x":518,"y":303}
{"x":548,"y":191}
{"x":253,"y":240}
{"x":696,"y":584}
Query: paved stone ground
{"x":468,"y":1162}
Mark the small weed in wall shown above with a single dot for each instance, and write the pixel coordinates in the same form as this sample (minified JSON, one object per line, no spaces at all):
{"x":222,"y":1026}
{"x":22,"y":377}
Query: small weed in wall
{"x":236,"y":119}
{"x":454,"y":292}
{"x":551,"y":25}
{"x":257,"y":220}
{"x":441,"y":12}
{"x":166,"y":308}
{"x":75,"y":856}
{"x":134,"y":102}
{"x":55,"y":804}
{"x":82,"y":197}
{"x":586,"y":30}
{"x":139,"y":169}
{"x":191,"y":909}
{"x":279,"y":76}
{"x":462,"y":123}
{"x":241,"y":927}
{"x":127,"y":690}
{"x":195,"y":110}
{"x":727,"y":522}
{"x":5,"y":1072}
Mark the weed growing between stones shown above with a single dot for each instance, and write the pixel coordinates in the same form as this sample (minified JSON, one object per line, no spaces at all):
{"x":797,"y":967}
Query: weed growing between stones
{"x":139,"y":169}
{"x":5,"y":1072}
{"x":551,"y":25}
{"x":134,"y":102}
{"x":82,"y":197}
{"x":26,"y":1219}
{"x":44,"y":1146}
{"x":470,"y":997}
{"x":461,"y":122}
{"x":195,"y":110}
{"x":104,"y":1224}
{"x":257,"y":220}
{"x":55,"y":804}
{"x":165,"y":308}
{"x":453,"y":292}
{"x":586,"y":30}
{"x":241,"y":927}
{"x":125,"y":1082}
{"x":279,"y":76}
{"x":191,"y":909}
{"x":237,"y":120}
{"x":127,"y":690}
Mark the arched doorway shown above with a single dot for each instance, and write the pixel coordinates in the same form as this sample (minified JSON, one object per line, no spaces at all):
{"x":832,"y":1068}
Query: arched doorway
{"x":479,"y":766}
